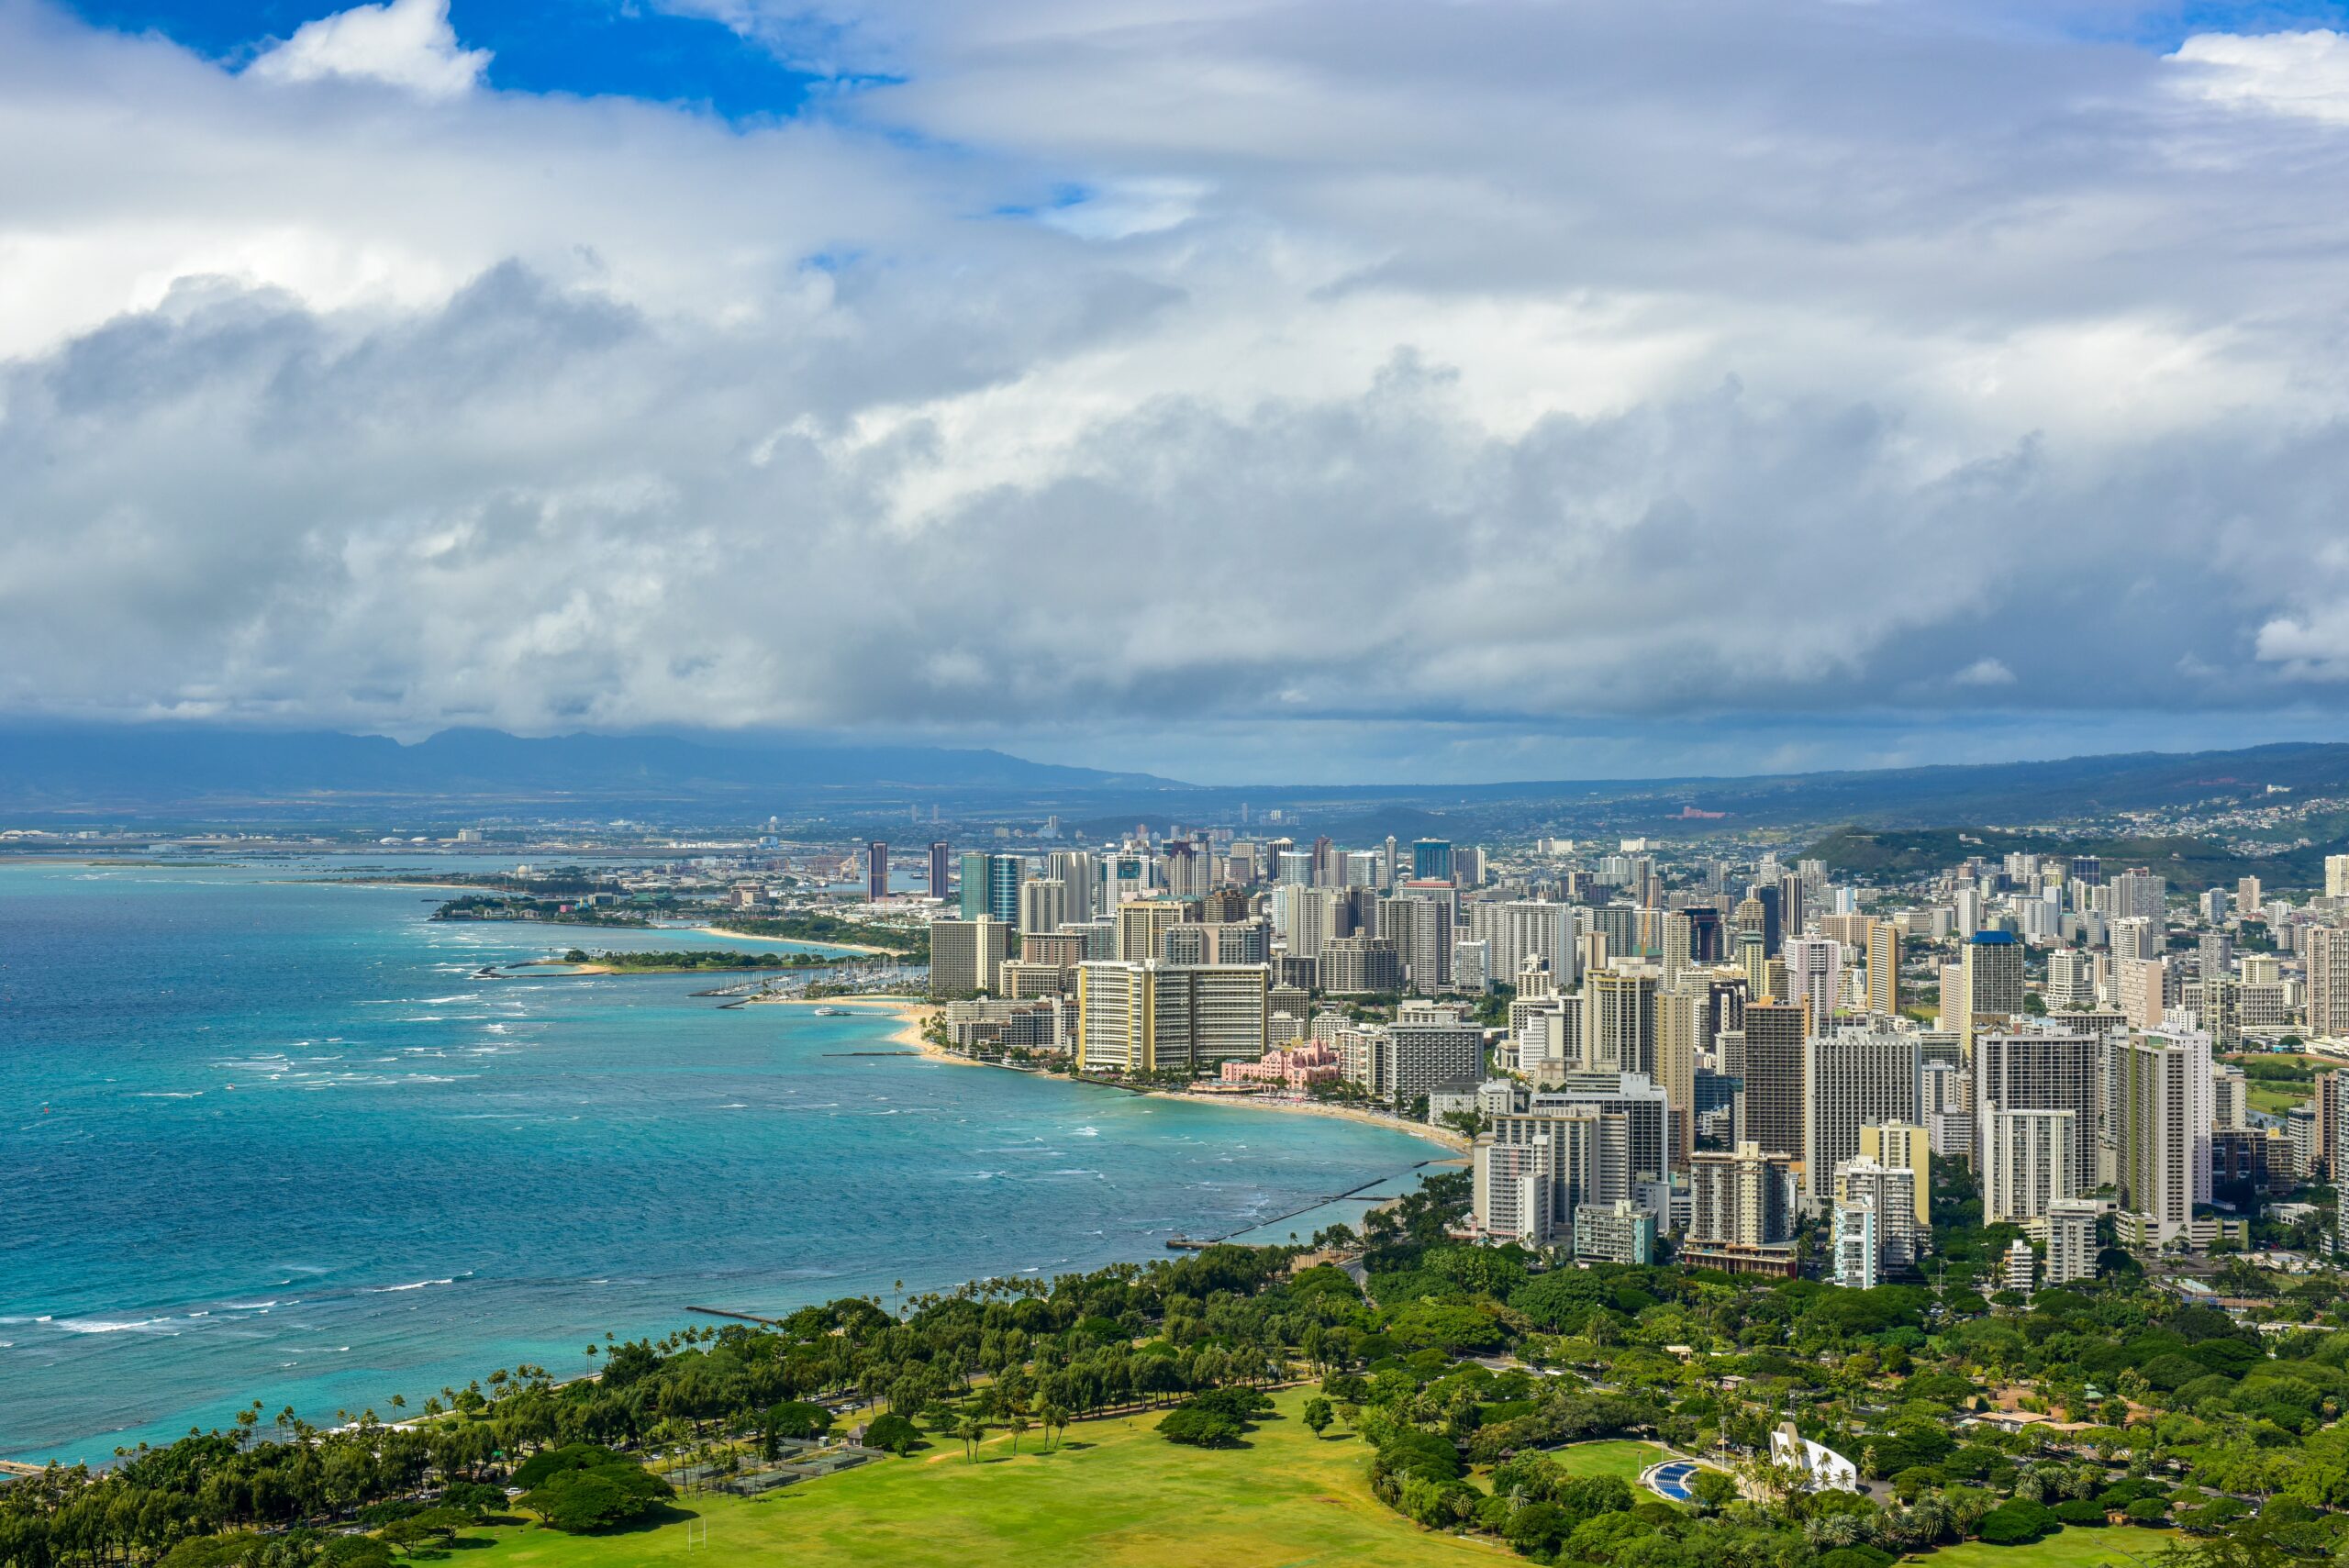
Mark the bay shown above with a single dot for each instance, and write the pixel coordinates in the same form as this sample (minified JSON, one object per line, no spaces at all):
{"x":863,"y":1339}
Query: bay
{"x":269,"y":1139}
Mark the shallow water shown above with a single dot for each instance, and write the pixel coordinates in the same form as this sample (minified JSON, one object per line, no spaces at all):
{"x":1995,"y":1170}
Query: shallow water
{"x":267,"y":1139}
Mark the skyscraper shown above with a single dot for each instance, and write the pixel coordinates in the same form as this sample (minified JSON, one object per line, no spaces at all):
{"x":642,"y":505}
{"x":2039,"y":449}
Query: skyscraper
{"x":2155,"y":1105}
{"x":2029,"y":1160}
{"x":1774,"y":1089}
{"x":965,"y":955}
{"x":876,"y":871}
{"x":1883,"y":967}
{"x":1910,"y":1147}
{"x":1853,"y":1078}
{"x":1994,"y":980}
{"x":2328,"y":963}
{"x":942,"y":868}
{"x":991,"y":887}
{"x":2042,"y":1070}
{"x":1432,"y":860}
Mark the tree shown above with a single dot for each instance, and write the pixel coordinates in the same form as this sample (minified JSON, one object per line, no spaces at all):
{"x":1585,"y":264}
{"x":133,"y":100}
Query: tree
{"x":1317,"y":1415}
{"x":1711,"y":1491}
{"x":1054,"y":1417}
{"x":973,"y":1431}
{"x":1016,"y":1426}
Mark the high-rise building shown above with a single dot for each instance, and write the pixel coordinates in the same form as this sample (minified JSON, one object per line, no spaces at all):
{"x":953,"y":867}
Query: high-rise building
{"x":1522,"y":929}
{"x":1616,"y":1233}
{"x":1619,"y":1021}
{"x":2328,"y":977}
{"x":991,"y":887}
{"x":942,"y":868}
{"x":1890,"y":1192}
{"x":1993,"y":980}
{"x":2029,"y":1160}
{"x":1854,"y":1252}
{"x":2156,"y":1100}
{"x":1422,"y":1056}
{"x":965,"y":955}
{"x":2144,"y":990}
{"x":1683,"y":1033}
{"x":876,"y":871}
{"x":1361,"y":966}
{"x":2336,"y":876}
{"x":1741,"y":1211}
{"x":1432,"y":860}
{"x":1043,"y":906}
{"x":1775,"y":1091}
{"x":1814,"y":976}
{"x":1642,"y":1103}
{"x":1148,"y":1016}
{"x":1141,"y":922}
{"x":2138,"y":892}
{"x":1883,"y":967}
{"x":2043,"y":1069}
{"x":1908,"y":1147}
{"x":2071,"y":980}
{"x":1853,"y":1078}
{"x":2071,"y":1240}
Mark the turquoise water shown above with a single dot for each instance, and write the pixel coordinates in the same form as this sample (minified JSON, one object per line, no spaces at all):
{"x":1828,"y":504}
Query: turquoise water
{"x":267,"y":1139}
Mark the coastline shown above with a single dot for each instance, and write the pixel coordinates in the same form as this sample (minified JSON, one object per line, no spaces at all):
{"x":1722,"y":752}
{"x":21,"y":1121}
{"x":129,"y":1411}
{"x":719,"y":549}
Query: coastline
{"x":913,"y":1012}
{"x":1445,"y":1136}
{"x":794,"y":941}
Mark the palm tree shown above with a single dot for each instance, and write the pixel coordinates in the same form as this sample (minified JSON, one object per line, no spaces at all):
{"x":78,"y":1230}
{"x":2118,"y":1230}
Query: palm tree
{"x":972,"y":1431}
{"x":1017,"y":1425}
{"x":1054,"y":1417}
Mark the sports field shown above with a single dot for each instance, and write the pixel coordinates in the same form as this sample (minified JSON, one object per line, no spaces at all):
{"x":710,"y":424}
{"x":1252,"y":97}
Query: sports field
{"x":2117,"y":1546}
{"x":1115,"y":1496}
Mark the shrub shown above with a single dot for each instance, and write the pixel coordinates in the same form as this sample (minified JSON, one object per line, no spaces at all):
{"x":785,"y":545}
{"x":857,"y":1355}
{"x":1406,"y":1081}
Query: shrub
{"x":584,"y":1488}
{"x":2147,"y":1511}
{"x":800,"y":1419}
{"x":2016,"y":1523}
{"x":1858,"y":1556}
{"x":893,"y":1432}
{"x":2080,"y":1511}
{"x":1200,"y":1428}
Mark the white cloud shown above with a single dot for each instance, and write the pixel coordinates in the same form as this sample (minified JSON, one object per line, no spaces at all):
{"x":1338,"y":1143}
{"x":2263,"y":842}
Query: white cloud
{"x":1491,"y":365}
{"x":406,"y":44}
{"x":1985,"y":671}
{"x":2304,"y":73}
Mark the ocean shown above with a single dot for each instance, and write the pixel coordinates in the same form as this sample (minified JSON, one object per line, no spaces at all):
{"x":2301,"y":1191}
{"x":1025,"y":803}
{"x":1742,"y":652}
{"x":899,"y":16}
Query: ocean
{"x":264,"y":1138}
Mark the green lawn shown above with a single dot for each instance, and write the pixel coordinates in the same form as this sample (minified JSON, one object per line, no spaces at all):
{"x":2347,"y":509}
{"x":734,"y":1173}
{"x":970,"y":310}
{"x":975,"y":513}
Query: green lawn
{"x":1115,"y":1497}
{"x":2118,"y":1546}
{"x":1618,"y":1457}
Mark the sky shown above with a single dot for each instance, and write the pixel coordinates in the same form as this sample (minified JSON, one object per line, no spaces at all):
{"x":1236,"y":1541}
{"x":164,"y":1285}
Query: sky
{"x":1317,"y":391}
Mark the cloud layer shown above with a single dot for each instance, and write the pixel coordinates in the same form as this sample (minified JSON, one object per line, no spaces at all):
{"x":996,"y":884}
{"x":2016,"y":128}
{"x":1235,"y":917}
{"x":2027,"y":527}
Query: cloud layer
{"x":1196,"y":363}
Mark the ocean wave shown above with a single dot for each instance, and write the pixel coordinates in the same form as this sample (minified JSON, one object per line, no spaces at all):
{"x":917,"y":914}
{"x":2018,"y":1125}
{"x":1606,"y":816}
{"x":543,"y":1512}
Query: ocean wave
{"x":112,"y":1325}
{"x":168,"y":1095}
{"x":389,"y":1289}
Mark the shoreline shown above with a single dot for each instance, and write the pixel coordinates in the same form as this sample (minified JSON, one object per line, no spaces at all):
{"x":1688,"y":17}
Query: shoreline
{"x":790,"y":941}
{"x":1443,"y":1135}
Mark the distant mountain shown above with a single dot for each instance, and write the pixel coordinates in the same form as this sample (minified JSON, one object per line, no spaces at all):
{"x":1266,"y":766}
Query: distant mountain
{"x":191,"y":770}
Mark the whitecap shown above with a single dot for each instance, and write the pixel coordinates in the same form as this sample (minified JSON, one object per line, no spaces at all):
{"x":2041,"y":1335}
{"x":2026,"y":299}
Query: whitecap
{"x":112,"y":1325}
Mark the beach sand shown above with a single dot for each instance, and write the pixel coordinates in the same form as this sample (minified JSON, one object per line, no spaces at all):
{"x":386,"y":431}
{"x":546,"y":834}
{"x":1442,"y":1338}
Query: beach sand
{"x":912,"y":1014}
{"x":752,"y":936}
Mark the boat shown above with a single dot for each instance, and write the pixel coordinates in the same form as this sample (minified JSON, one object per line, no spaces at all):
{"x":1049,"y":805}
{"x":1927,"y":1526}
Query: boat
{"x":833,"y":1013}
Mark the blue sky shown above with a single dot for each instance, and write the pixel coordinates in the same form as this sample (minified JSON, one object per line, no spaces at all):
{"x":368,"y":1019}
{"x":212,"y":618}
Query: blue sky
{"x":539,"y":45}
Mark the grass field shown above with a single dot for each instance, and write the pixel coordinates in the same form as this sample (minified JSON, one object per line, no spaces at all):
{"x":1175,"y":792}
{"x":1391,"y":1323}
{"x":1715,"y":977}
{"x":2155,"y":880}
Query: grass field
{"x":2119,"y":1546}
{"x":1619,"y":1458}
{"x":1115,"y":1497}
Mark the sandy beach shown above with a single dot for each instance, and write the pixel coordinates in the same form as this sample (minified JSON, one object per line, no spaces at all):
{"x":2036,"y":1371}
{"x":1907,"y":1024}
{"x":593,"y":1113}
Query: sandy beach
{"x":754,"y":937}
{"x":1442,"y":1134}
{"x":912,"y":1014}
